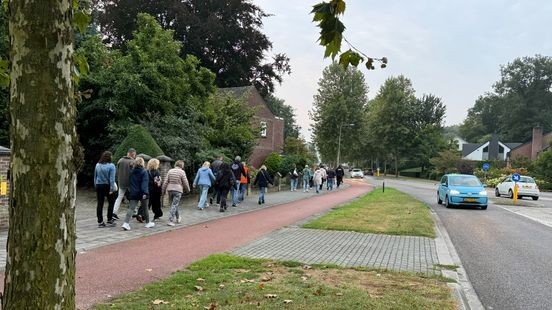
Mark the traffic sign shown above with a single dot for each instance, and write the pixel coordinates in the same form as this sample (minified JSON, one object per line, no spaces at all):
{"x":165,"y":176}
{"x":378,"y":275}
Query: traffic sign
{"x":516,"y":177}
{"x":486,"y":166}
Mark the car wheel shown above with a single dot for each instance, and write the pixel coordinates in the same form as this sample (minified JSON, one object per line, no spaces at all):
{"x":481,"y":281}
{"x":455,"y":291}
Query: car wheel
{"x":483,"y":207}
{"x":510,"y":194}
{"x":497,"y":192}
{"x":535,"y":197}
{"x":439,"y":201}
{"x":447,"y":203}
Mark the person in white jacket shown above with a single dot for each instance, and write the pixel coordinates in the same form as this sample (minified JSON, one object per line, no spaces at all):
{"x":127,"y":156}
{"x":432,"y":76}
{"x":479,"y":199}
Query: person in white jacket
{"x":324,"y":176}
{"x":317,"y":179}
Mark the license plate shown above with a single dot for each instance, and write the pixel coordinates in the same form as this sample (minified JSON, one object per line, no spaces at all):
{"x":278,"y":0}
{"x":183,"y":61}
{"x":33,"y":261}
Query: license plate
{"x":526,"y":186}
{"x":470,"y":199}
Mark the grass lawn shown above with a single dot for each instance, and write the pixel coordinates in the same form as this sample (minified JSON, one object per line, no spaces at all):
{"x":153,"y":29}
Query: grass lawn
{"x":228,"y":282}
{"x":392,"y":213}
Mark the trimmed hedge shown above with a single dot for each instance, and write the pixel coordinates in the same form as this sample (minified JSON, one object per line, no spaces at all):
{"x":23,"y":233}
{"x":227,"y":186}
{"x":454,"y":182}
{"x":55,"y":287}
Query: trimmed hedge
{"x":140,"y":139}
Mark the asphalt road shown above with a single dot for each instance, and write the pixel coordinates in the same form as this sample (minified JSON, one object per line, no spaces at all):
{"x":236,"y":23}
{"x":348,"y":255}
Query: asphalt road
{"x":508,"y":258}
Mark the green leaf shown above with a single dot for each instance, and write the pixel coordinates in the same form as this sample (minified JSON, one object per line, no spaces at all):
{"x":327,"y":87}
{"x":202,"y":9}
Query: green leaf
{"x":350,"y":57}
{"x":339,"y":7}
{"x":81,"y":21}
{"x":4,"y":73}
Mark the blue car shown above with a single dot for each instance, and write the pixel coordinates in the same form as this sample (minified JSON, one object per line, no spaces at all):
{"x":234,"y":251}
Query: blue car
{"x":461,"y":189}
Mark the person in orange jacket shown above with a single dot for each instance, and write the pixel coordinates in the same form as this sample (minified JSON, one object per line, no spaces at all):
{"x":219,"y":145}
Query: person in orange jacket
{"x":244,"y":182}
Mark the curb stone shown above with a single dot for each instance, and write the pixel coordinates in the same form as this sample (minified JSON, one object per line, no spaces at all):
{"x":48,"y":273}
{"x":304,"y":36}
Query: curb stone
{"x":463,"y":291}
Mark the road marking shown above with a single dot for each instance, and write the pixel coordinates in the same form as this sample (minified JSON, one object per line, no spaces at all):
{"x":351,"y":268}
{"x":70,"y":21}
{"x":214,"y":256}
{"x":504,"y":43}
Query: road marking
{"x":545,"y":223}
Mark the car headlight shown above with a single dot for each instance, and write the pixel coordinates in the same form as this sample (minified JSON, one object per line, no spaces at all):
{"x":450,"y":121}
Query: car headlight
{"x":454,"y":192}
{"x":483,"y":193}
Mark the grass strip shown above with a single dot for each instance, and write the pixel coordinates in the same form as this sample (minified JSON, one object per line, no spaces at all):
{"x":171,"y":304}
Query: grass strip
{"x":223,"y":281}
{"x":391,"y":213}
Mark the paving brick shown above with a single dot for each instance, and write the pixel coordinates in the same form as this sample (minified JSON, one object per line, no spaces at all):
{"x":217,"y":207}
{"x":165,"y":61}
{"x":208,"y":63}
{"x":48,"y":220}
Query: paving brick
{"x":349,"y":249}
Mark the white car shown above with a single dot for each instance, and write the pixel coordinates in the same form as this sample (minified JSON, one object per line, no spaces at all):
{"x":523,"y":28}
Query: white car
{"x":357,"y":173}
{"x":526,"y":188}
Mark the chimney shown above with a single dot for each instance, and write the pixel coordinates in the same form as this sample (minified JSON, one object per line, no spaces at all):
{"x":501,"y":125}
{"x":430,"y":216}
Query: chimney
{"x":536,"y":143}
{"x":493,"y":147}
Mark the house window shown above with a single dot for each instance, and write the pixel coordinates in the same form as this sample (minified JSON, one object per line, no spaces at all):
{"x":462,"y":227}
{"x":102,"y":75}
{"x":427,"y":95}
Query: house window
{"x":263,"y":129}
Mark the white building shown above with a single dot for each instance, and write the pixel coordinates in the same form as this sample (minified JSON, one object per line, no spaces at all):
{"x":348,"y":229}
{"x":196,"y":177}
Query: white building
{"x":492,"y":149}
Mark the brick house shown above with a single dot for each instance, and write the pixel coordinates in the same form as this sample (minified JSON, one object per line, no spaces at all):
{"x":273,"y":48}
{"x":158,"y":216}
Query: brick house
{"x":4,"y":199}
{"x":272,"y":127}
{"x":539,"y":142}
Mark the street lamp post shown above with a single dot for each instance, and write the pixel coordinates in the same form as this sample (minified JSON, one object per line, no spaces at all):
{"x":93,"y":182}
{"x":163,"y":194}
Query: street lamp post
{"x":339,"y":142}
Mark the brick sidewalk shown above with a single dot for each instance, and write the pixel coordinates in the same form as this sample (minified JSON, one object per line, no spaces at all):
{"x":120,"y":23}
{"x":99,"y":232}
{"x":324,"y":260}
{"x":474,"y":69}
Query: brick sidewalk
{"x":349,"y":249}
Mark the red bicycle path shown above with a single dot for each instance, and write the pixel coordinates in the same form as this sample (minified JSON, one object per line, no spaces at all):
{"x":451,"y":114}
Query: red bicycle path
{"x":122,"y":267}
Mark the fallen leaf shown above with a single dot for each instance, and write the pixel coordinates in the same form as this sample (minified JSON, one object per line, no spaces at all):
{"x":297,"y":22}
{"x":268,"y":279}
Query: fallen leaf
{"x":307,"y":267}
{"x":318,"y":292}
{"x":261,"y":286}
{"x":378,"y":275}
{"x":200,"y":280}
{"x":247,"y":281}
{"x":210,"y":307}
{"x":304,"y":278}
{"x":160,"y":302}
{"x":198,"y":288}
{"x":288,"y":301}
{"x":221,"y":286}
{"x":149,"y":270}
{"x":339,"y":294}
{"x":266,"y":279}
{"x":271,"y":296}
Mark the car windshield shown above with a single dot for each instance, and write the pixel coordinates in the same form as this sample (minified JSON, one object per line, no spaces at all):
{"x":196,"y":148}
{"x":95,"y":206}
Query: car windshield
{"x":526,"y":180}
{"x":356,"y":170}
{"x":459,"y":180}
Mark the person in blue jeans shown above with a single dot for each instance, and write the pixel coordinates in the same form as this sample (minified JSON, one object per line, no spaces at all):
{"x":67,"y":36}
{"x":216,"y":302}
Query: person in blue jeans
{"x":238,"y":171}
{"x":262,"y":180}
{"x":293,"y":178}
{"x":204,"y":179}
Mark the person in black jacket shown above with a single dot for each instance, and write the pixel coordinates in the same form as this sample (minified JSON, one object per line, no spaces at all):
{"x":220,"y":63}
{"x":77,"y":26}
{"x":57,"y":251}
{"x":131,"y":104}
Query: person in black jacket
{"x":139,"y":192}
{"x":339,"y":173}
{"x":331,"y":179}
{"x":225,"y":181}
{"x":155,"y":188}
{"x":262,"y":179}
{"x":238,"y":171}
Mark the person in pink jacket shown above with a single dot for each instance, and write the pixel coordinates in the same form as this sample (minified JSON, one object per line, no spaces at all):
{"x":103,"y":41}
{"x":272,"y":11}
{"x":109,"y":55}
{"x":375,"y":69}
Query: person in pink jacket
{"x":175,"y":184}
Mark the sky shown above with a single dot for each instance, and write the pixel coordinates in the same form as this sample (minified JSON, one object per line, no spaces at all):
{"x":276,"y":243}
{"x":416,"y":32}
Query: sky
{"x":452,"y":49}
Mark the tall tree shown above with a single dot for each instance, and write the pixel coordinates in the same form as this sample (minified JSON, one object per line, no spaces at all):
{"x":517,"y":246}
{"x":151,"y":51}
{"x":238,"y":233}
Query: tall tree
{"x":520,"y":100}
{"x":281,"y":109}
{"x":40,"y":268}
{"x":225,"y":36}
{"x":392,"y":120}
{"x":149,"y":84}
{"x":339,"y":106}
{"x":4,"y":91}
{"x":429,"y":113}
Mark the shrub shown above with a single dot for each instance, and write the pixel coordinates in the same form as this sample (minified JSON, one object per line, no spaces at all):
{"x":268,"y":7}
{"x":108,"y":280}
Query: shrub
{"x":287,"y":164}
{"x":140,"y":139}
{"x":273,"y":163}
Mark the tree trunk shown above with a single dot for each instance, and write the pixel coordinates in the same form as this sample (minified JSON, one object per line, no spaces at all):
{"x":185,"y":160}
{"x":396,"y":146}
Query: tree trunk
{"x":40,"y":268}
{"x":396,"y":166}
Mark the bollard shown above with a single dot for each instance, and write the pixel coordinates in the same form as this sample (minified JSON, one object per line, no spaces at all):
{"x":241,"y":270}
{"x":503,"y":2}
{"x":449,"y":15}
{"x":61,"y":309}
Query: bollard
{"x":516,"y":188}
{"x":384,"y":186}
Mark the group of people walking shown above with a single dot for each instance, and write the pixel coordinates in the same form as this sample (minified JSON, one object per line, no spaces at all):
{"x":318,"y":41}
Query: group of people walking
{"x":316,"y":177}
{"x":144,"y":187}
{"x":141,"y":185}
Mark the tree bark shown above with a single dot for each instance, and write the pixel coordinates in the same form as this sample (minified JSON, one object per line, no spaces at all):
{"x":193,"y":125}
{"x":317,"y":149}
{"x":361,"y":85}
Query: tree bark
{"x":396,"y":166}
{"x":40,"y":267}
